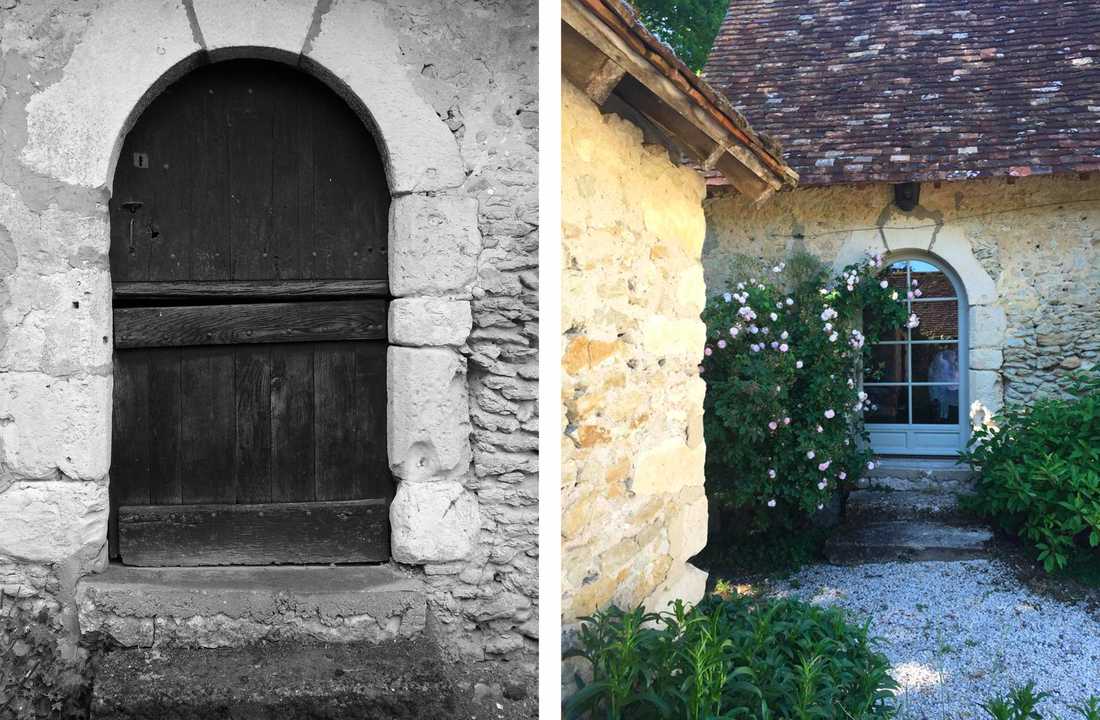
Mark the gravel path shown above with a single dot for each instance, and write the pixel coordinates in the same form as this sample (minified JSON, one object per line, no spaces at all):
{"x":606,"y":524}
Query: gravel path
{"x":957,"y":632}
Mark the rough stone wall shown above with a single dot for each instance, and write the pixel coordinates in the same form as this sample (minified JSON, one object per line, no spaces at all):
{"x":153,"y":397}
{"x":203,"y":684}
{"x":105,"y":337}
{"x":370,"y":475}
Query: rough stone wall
{"x":633,"y":505}
{"x":1037,"y":241}
{"x":475,"y":65}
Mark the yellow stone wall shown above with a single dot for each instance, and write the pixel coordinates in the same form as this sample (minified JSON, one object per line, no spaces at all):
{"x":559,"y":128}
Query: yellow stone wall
{"x":1028,"y":254}
{"x":633,"y":504}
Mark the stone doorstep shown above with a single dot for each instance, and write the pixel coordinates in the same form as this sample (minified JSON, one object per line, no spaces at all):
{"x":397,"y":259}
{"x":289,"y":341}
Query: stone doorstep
{"x":906,"y":540}
{"x":233,"y":606}
{"x":877,"y":505}
{"x":919,"y":475}
{"x":404,"y":679}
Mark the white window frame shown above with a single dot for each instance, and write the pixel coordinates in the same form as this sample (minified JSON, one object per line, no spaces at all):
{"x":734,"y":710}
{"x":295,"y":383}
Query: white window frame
{"x":918,"y":439}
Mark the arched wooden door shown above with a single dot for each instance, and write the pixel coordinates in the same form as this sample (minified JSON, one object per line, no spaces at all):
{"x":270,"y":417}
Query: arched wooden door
{"x":248,"y":254}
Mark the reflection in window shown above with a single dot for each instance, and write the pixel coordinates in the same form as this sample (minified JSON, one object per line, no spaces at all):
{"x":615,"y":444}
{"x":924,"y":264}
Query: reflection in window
{"x":913,"y":375}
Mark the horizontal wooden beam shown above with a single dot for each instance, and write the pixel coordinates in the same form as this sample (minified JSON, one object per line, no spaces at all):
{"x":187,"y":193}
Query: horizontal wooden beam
{"x":258,"y":289}
{"x":267,"y":534}
{"x":250,"y":323}
{"x":754,"y":180}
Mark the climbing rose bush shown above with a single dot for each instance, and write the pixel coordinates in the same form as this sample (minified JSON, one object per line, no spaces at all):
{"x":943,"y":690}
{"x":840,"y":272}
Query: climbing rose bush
{"x":783,"y":410}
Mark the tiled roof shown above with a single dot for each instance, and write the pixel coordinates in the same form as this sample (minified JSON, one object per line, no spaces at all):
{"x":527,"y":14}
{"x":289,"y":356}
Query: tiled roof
{"x":880,"y":90}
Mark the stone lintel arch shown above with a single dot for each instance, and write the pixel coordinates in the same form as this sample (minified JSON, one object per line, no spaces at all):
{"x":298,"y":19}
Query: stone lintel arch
{"x":949,"y":245}
{"x":132,"y":49}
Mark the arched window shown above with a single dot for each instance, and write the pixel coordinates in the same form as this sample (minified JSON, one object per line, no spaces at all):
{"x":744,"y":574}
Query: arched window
{"x":916,"y":381}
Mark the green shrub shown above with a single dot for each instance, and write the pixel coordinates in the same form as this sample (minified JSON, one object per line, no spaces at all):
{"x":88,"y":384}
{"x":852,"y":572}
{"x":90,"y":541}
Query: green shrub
{"x":783,"y":420}
{"x":731,"y":658}
{"x":1039,"y":471}
{"x":1022,"y":703}
{"x":35,"y":680}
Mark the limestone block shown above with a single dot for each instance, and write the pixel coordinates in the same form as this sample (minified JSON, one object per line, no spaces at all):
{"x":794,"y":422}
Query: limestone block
{"x":987,"y":326}
{"x":51,"y":241}
{"x":357,"y":45}
{"x":664,"y":336}
{"x":687,"y":526}
{"x":986,"y":387}
{"x":433,"y":522}
{"x":59,"y":324}
{"x":428,"y":415}
{"x":691,"y":291}
{"x":669,"y":468}
{"x":689,"y":585}
{"x":434,"y":245}
{"x":429,"y":321}
{"x":74,"y":125}
{"x":53,"y":520}
{"x":253,"y":25}
{"x":50,"y":424}
{"x":986,"y":359}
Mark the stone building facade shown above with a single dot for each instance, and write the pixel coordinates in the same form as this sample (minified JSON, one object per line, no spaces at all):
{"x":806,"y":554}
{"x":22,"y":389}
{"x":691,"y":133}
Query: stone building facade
{"x":634,"y":510}
{"x":1027,"y":253}
{"x":449,"y":91}
{"x":633,"y":506}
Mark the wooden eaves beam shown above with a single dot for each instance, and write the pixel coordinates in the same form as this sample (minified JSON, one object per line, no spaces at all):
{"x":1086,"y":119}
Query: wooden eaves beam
{"x":711,"y":141}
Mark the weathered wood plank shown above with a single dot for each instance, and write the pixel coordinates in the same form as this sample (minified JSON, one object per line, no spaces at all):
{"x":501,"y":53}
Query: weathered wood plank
{"x":292,"y":423}
{"x":252,"y":289}
{"x":252,"y":463}
{"x":260,"y":534}
{"x":164,"y":389}
{"x":251,"y":156}
{"x":250,"y":323}
{"x":130,"y":435}
{"x":207,"y":423}
{"x":372,"y":469}
{"x":334,"y":422}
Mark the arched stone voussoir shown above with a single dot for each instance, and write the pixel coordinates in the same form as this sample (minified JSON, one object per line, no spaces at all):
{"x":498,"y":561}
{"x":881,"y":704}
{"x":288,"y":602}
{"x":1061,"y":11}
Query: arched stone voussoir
{"x":358,"y":48}
{"x":945,"y":242}
{"x":132,"y":49}
{"x":76,"y":125}
{"x":254,"y":28}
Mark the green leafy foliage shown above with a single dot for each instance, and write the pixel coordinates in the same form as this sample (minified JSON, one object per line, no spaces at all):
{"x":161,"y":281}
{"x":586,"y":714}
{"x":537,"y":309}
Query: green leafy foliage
{"x":1022,"y":703}
{"x":687,"y":26}
{"x":731,"y":658}
{"x":35,"y":680}
{"x":783,"y":410}
{"x":1039,"y":471}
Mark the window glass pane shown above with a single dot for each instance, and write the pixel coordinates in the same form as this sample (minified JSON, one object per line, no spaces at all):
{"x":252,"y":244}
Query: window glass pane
{"x":938,"y":320}
{"x":931,"y":281}
{"x":937,"y":362}
{"x":892,"y":334}
{"x":936,"y":404}
{"x":887,"y":364}
{"x":887,"y":404}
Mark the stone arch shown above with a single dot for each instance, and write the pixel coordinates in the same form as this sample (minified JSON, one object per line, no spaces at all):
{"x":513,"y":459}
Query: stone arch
{"x":132,"y":49}
{"x":987,"y":324}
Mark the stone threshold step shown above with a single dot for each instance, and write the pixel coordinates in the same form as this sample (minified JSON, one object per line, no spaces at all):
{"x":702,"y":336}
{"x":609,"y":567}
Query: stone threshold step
{"x":877,"y":505}
{"x":906,"y":540}
{"x":276,"y":681}
{"x":233,"y":606}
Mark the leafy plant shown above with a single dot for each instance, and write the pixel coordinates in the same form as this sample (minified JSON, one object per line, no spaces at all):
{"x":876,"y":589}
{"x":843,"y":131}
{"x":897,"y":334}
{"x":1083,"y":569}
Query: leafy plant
{"x":1039,"y":471}
{"x":782,"y":364}
{"x":35,"y":680}
{"x":733,"y":657}
{"x":1022,"y":703}
{"x":687,"y":26}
